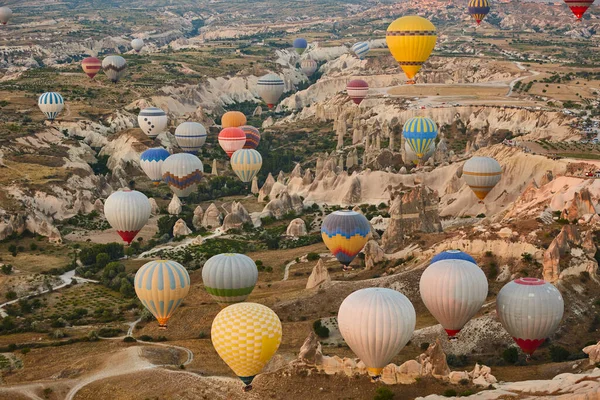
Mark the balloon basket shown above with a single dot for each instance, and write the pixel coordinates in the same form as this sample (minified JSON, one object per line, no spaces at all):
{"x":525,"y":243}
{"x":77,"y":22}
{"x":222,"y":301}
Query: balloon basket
{"x":162,"y":327}
{"x":247,"y":388}
{"x":411,"y":82}
{"x":528,"y":358}
{"x":375,"y":378}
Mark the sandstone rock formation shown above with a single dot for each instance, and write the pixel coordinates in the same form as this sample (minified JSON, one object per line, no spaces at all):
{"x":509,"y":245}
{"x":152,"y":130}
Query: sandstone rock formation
{"x":284,"y":204}
{"x":265,"y":190}
{"x":434,"y":362}
{"x":212,"y":217}
{"x":296,"y":228}
{"x":181,"y":229}
{"x":581,"y":259}
{"x":580,"y":205}
{"x":593,"y":351}
{"x":319,"y":276}
{"x":99,"y":206}
{"x":197,"y":218}
{"x":214,"y":170}
{"x":232,"y":221}
{"x":254,"y":188}
{"x":154,"y":208}
{"x":373,"y":254}
{"x":239,"y":209}
{"x":174,"y":206}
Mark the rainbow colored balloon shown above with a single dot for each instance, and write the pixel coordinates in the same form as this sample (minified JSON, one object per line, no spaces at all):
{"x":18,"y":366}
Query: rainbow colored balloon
{"x":345,"y":233}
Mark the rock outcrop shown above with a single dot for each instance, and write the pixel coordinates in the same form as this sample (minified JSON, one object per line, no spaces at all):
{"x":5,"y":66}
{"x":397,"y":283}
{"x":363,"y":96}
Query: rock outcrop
{"x":374,"y":254}
{"x":181,"y":229}
{"x":212,"y":217}
{"x":284,"y":204}
{"x":232,"y":221}
{"x":254,"y":188}
{"x":265,"y":190}
{"x":154,"y":208}
{"x":296,"y":228}
{"x":593,"y":353}
{"x":197,"y":218}
{"x":581,"y":205}
{"x":174,"y":206}
{"x":580,"y":250}
{"x":319,"y":276}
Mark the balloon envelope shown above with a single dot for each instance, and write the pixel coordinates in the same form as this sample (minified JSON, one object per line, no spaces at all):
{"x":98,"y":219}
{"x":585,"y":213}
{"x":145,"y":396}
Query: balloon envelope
{"x":482,"y":174}
{"x":345,"y":233}
{"x":229,"y":277}
{"x":411,"y":40}
{"x":153,"y":121}
{"x":579,"y":7}
{"x":420,"y":134}
{"x":270,"y":88}
{"x":479,"y":9}
{"x":182,"y":172}
{"x":231,"y":140}
{"x":376,"y":323}
{"x":137,"y":45}
{"x":161,"y":286}
{"x":411,"y":157}
{"x":300,"y":44}
{"x":233,"y":119}
{"x":246,"y":336}
{"x":114,"y":67}
{"x":190,"y":136}
{"x":151,"y":162}
{"x":51,"y":104}
{"x":308,"y":67}
{"x":246,"y":163}
{"x":453,"y":291}
{"x":5,"y":15}
{"x":91,"y":66}
{"x":361,"y":49}
{"x":530,"y":310}
{"x":453,"y":255}
{"x":252,"y":136}
{"x":127,"y":211}
{"x":357,"y":90}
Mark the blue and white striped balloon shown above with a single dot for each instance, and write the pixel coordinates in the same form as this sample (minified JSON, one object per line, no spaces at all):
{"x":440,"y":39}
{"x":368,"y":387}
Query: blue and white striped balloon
{"x":246,"y":163}
{"x":190,"y":136}
{"x":361,"y":49}
{"x":151,"y":162}
{"x":51,"y":104}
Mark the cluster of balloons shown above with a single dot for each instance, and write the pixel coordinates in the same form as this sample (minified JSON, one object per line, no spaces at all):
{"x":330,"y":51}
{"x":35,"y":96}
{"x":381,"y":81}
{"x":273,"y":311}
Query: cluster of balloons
{"x":239,"y":141}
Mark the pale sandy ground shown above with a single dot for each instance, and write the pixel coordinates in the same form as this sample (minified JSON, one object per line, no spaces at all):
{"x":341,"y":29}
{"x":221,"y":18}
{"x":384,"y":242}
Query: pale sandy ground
{"x":110,"y":235}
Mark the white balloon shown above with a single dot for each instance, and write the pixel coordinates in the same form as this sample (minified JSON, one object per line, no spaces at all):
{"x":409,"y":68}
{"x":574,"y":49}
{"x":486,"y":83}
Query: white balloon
{"x":481,"y":174}
{"x":5,"y":15}
{"x":453,"y":291}
{"x":376,"y":323}
{"x":137,"y":44}
{"x":229,"y":277}
{"x":153,"y":121}
{"x":182,"y":172}
{"x":530,"y":310}
{"x":51,"y":104}
{"x":308,"y":66}
{"x":270,"y":87}
{"x":190,"y":136}
{"x":127,"y":211}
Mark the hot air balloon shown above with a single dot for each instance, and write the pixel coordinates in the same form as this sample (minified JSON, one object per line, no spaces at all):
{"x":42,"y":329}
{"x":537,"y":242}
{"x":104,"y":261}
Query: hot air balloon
{"x":411,"y":40}
{"x":479,"y":9}
{"x":190,"y":136}
{"x":233,"y":119}
{"x":482,"y":174}
{"x":51,"y":104}
{"x":230,"y":277}
{"x":357,"y":90}
{"x":300,"y":45}
{"x":270,"y":87}
{"x":161,"y":286}
{"x":411,"y":157}
{"x":308,"y":67}
{"x":453,"y":255}
{"x":345,"y":233}
{"x":376,"y":323}
{"x":182,"y":172}
{"x":246,"y":336}
{"x":361,"y":49}
{"x":137,"y":44}
{"x":453,"y":290}
{"x":127,"y":211}
{"x":153,"y":121}
{"x":246,"y":163}
{"x":5,"y":15}
{"x":91,"y":66}
{"x":579,"y":7}
{"x":530,"y":310}
{"x":114,"y":67}
{"x":420,"y":133}
{"x":151,"y":162}
{"x":231,"y":140}
{"x":252,"y":136}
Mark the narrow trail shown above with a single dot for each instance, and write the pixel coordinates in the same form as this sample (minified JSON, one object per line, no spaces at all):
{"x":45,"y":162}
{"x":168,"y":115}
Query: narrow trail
{"x":514,"y":81}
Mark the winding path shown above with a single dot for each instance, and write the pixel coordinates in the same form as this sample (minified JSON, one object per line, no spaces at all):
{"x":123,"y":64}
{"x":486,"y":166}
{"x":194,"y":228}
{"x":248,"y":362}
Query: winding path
{"x":514,"y":81}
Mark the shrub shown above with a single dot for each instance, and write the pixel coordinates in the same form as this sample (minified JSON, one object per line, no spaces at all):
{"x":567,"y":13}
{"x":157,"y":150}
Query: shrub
{"x":25,"y":350}
{"x":161,"y":339}
{"x":109,"y":332}
{"x":464,"y":381}
{"x":493,"y":272}
{"x":47,"y":392}
{"x":449,"y":393}
{"x":489,"y":254}
{"x":129,"y":339}
{"x":6,"y":269}
{"x":559,"y":353}
{"x":202,"y":335}
{"x":383,"y":393}
{"x":424,"y":346}
{"x":320,"y":330}
{"x":456,"y":361}
{"x":146,"y":338}
{"x":510,"y":355}
{"x":527,"y":257}
{"x":312,"y":256}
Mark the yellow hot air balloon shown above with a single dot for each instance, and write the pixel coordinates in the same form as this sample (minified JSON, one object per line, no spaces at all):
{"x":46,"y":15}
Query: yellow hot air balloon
{"x":162,"y":285}
{"x":411,"y":40}
{"x":246,"y":336}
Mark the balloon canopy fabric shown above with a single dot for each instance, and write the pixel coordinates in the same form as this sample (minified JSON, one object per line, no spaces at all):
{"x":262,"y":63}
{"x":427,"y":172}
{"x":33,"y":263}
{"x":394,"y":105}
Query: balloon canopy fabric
{"x":300,"y":44}
{"x":229,"y":277}
{"x":151,"y":162}
{"x":270,"y":88}
{"x":161,"y":286}
{"x":232,"y":139}
{"x":420,"y":134}
{"x":91,"y":66}
{"x":182,"y":172}
{"x":190,"y":136}
{"x":357,"y":90}
{"x":252,"y":136}
{"x":411,"y":40}
{"x":345,"y":233}
{"x":453,"y":255}
{"x":481,"y":174}
{"x":246,"y":336}
{"x":453,"y":291}
{"x":308,"y":67}
{"x":5,"y":15}
{"x":246,"y":163}
{"x":479,"y":9}
{"x":114,"y":67}
{"x":361,"y":49}
{"x":51,"y":104}
{"x":530,"y":310}
{"x":579,"y":7}
{"x":153,"y":121}
{"x":411,"y":157}
{"x":127,"y":211}
{"x":233,"y":119}
{"x":376,"y":323}
{"x":137,"y":45}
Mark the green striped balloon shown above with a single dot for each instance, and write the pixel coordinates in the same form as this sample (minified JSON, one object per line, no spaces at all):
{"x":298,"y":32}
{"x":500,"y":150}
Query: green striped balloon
{"x":246,"y":163}
{"x":229,"y":277}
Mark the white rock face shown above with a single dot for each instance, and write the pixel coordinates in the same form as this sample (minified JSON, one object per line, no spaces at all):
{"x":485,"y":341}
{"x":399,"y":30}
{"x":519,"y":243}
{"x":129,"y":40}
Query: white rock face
{"x":197,"y":218}
{"x":154,"y":209}
{"x":593,"y":352}
{"x":174,"y":206}
{"x":296,"y":228}
{"x":212,"y":217}
{"x":319,"y":276}
{"x":181,"y":229}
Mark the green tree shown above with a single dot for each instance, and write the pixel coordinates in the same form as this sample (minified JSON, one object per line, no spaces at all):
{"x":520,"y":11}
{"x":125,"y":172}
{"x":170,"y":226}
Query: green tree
{"x":7,"y":269}
{"x":383,"y":393}
{"x":102,"y":260}
{"x":127,"y":289}
{"x":511,"y":355}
